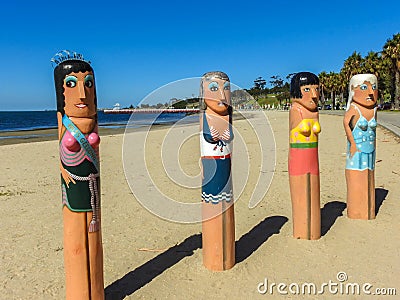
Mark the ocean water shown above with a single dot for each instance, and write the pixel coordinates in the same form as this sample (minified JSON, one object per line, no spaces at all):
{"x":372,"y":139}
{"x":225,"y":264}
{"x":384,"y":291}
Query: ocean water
{"x":13,"y":123}
{"x":35,"y":120}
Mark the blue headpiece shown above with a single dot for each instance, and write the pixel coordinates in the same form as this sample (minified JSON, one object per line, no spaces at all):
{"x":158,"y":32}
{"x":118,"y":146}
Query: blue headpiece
{"x":65,"y":55}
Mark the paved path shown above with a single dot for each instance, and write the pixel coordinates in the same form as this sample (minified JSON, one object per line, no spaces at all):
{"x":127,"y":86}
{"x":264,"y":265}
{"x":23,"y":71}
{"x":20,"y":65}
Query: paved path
{"x":390,"y":120}
{"x":387,"y":119}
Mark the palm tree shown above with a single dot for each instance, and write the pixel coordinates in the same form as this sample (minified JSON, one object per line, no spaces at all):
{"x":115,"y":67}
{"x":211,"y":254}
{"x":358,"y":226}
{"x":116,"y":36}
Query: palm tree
{"x":337,"y":87}
{"x":323,"y":77}
{"x":373,"y":64}
{"x":391,"y":54}
{"x":330,"y":84}
{"x":351,"y":66}
{"x":341,"y":86}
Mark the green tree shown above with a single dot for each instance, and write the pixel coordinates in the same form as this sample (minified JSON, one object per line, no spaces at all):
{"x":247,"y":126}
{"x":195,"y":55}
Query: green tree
{"x":391,"y":55}
{"x":351,"y":66}
{"x":258,"y":90}
{"x":374,"y":64}
{"x":277,"y":83}
{"x":323,"y":77}
{"x":259,"y":83}
{"x":333,"y":82}
{"x":284,"y":96}
{"x":180,"y":104}
{"x":371,"y":64}
{"x":329,"y":83}
{"x":340,"y":86}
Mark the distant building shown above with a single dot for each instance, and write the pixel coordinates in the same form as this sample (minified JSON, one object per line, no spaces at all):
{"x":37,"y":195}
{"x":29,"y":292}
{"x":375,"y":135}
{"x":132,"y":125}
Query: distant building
{"x":116,"y":106}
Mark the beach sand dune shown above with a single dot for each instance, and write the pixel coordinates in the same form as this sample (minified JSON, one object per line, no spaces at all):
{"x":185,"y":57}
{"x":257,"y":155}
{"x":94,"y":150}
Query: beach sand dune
{"x":146,"y":257}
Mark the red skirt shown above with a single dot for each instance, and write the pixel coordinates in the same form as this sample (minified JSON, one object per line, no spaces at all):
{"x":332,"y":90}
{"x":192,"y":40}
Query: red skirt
{"x":303,"y":161}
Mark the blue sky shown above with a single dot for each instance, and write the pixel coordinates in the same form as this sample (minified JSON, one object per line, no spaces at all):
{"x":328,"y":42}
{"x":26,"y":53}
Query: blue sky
{"x":137,"y":46}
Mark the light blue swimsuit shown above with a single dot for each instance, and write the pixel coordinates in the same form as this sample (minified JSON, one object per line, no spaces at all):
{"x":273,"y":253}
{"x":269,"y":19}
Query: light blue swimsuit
{"x":364,"y":134}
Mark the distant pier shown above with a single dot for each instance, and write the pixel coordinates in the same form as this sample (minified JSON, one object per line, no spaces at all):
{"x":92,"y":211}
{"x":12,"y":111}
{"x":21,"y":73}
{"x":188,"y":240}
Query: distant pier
{"x":152,"y":110}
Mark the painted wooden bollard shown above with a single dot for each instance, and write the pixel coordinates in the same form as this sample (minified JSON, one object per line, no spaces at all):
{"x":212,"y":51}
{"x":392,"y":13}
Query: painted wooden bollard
{"x":218,"y":226}
{"x":303,"y":162}
{"x":80,"y":182}
{"x":360,"y":123}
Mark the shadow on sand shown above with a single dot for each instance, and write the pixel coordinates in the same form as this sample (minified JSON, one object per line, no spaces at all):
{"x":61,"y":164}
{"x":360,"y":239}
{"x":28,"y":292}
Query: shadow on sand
{"x":260,"y":233}
{"x":245,"y":246}
{"x":144,"y":274}
{"x":329,"y":213}
{"x":380,"y":196}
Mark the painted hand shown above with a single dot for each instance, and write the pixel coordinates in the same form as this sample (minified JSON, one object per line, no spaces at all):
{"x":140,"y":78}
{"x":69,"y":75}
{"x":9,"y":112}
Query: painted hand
{"x":67,"y":178}
{"x":353,"y":149}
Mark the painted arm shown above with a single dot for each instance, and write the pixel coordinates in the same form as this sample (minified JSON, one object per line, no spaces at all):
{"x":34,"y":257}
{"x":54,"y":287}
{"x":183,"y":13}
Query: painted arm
{"x":59,"y":122}
{"x":348,"y":116}
{"x":294,"y":118}
{"x":64,"y":173}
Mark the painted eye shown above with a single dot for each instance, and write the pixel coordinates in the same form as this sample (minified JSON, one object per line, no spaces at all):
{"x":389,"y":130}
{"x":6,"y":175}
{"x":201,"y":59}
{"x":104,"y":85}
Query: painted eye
{"x":89,"y":80}
{"x":227,"y":86}
{"x":213,"y":86}
{"x":306,"y":89}
{"x":71,"y":81}
{"x":363,"y":87}
{"x":374,"y":86}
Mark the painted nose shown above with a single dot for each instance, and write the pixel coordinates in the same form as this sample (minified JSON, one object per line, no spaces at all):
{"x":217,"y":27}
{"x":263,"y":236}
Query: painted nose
{"x":313,"y":93}
{"x":370,"y":91}
{"x":81,"y":90}
{"x":222,"y":94}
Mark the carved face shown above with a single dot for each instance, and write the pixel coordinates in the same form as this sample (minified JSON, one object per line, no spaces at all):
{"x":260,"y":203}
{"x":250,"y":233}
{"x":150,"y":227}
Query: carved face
{"x":217,"y":95}
{"x":79,"y":93}
{"x":310,"y":97}
{"x":365,"y":94}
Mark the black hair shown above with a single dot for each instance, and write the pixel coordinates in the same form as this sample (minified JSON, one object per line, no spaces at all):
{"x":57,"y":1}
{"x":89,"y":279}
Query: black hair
{"x":207,"y":76}
{"x":300,"y":79}
{"x":62,"y":70}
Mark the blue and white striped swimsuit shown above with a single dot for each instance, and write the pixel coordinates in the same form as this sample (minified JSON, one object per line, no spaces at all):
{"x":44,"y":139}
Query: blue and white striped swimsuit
{"x":216,"y":161}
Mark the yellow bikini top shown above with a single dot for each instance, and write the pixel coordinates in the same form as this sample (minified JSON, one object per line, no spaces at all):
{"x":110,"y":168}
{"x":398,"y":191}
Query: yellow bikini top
{"x":305,"y":132}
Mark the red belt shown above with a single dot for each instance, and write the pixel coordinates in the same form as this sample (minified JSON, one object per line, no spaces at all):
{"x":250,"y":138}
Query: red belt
{"x":217,"y":157}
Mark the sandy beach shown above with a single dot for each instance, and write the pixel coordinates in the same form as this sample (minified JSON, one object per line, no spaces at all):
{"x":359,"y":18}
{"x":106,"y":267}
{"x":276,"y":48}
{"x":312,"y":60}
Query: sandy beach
{"x":146,"y":257}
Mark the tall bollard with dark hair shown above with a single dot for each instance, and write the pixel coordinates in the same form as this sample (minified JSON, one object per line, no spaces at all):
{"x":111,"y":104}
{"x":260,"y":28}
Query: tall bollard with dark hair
{"x":218,"y":226}
{"x":360,"y":126}
{"x":303,"y":156}
{"x":80,"y":175}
